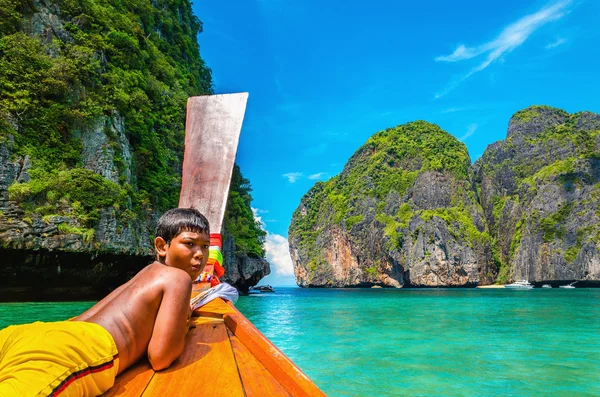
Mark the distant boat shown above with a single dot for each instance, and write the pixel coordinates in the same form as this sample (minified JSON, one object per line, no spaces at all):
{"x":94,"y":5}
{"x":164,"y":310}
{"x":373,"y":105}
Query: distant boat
{"x":263,"y":288}
{"x":570,"y":286}
{"x":546,"y":286}
{"x":521,"y":284}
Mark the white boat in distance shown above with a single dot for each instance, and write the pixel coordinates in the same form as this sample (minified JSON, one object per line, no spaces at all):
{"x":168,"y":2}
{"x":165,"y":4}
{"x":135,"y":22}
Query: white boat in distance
{"x":521,"y":284}
{"x":569,"y":285}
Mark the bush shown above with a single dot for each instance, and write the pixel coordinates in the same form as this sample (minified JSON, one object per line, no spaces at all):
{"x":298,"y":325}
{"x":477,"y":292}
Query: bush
{"x":239,"y":219}
{"x":115,"y":62}
{"x":85,"y":190}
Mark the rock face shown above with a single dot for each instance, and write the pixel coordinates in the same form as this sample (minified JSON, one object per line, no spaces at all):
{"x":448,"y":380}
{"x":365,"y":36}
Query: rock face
{"x":540,"y":192}
{"x":242,"y":271}
{"x":43,"y":260}
{"x":402,"y":212}
{"x":112,"y":234}
{"x":410,"y":210}
{"x":99,"y":154}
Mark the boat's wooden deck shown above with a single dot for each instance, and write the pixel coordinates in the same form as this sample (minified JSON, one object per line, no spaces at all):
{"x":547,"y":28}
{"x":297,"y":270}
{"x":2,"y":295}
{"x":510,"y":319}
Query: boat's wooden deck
{"x":225,"y":355}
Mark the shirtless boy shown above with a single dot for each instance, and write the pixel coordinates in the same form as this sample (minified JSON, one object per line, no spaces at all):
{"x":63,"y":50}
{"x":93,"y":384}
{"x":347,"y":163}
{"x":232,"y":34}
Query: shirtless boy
{"x":146,"y":315}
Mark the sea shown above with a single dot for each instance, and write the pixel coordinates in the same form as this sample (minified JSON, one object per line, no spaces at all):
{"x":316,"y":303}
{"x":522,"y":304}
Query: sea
{"x":419,"y":342}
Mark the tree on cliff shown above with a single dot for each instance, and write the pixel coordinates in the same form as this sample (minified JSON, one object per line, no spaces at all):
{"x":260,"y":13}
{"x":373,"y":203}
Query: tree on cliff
{"x":239,"y":219}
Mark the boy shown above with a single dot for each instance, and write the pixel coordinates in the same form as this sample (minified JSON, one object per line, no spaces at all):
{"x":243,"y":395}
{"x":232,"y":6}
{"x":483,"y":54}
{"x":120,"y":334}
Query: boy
{"x":146,"y":315}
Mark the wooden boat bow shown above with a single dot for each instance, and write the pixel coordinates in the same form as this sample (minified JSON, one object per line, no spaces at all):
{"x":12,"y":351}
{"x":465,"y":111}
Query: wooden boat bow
{"x":225,"y":355}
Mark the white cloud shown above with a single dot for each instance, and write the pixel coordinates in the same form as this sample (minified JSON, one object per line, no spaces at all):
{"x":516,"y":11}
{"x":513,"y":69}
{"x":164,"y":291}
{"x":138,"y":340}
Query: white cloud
{"x":318,"y":175}
{"x":470,"y":131}
{"x":278,"y":255}
{"x":292,"y":177}
{"x":277,"y":250}
{"x":461,"y":53}
{"x":257,"y":217}
{"x":556,"y":43}
{"x":510,"y":38}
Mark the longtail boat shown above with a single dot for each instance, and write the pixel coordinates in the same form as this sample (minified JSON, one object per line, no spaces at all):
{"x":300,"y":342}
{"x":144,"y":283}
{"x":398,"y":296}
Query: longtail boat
{"x":225,"y":354}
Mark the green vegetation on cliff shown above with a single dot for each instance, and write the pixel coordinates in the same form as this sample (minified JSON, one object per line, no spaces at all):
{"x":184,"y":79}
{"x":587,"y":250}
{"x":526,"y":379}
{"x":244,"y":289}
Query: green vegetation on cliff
{"x":533,"y":211}
{"x":239,"y":219}
{"x":87,"y":192}
{"x":546,"y":168}
{"x":93,"y":60}
{"x":74,"y":67}
{"x":373,"y":195}
{"x":389,"y":162}
{"x":535,"y":111}
{"x":392,"y":159}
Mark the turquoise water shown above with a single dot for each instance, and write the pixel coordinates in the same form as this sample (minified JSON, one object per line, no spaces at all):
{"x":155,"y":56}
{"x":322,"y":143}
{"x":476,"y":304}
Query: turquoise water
{"x":453,"y":342}
{"x":27,"y":312}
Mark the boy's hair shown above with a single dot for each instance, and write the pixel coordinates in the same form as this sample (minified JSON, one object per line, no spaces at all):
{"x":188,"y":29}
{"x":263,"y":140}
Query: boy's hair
{"x":179,"y":220}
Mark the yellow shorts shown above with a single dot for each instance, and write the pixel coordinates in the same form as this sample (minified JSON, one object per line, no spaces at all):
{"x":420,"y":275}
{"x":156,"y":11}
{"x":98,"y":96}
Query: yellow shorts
{"x":68,"y":358}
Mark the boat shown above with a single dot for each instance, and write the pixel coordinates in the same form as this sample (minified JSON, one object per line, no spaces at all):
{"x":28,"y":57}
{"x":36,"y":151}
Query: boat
{"x":546,"y":286}
{"x":521,"y":284}
{"x":263,"y":288}
{"x":224,"y":354}
{"x":568,"y":286}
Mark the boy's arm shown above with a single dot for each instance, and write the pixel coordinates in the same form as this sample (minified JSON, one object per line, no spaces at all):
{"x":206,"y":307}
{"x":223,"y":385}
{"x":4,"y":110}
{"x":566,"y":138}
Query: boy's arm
{"x":170,"y":327}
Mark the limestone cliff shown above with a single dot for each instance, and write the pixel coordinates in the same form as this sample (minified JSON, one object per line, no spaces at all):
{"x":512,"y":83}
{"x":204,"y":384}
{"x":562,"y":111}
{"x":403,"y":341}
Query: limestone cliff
{"x":540,"y":192}
{"x":54,"y":225}
{"x":410,"y":210}
{"x":402,"y":212}
{"x":92,"y":111}
{"x":242,"y":270}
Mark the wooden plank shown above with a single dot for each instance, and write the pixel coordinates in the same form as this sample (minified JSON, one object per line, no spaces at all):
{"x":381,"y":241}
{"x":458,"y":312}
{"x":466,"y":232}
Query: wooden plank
{"x":257,"y":381}
{"x":212,"y":132}
{"x":216,"y":308}
{"x":278,"y":364}
{"x":212,"y":364}
{"x":195,"y":321}
{"x":207,"y":367}
{"x":133,"y":381}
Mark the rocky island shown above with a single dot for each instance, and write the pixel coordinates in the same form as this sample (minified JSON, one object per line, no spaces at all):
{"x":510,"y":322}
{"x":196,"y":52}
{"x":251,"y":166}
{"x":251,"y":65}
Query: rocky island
{"x":409,"y":208}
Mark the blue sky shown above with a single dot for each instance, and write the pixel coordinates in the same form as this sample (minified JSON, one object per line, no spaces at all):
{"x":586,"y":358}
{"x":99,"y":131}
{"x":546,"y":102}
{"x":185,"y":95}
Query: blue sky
{"x":323,"y":76}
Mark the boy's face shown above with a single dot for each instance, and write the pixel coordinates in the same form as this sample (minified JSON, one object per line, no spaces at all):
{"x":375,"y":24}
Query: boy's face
{"x":187,"y":251}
